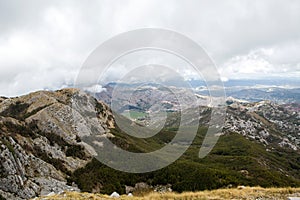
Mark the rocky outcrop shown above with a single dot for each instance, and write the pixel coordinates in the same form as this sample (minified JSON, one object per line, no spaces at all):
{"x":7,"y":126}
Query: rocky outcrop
{"x":266,"y":122}
{"x":40,"y":141}
{"x":41,"y":136}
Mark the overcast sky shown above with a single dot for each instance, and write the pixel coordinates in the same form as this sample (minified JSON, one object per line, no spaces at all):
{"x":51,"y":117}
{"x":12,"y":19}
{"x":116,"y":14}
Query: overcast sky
{"x":43,"y":44}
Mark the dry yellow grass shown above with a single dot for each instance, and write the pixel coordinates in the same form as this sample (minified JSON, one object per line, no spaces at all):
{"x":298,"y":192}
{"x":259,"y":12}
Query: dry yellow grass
{"x":253,"y":193}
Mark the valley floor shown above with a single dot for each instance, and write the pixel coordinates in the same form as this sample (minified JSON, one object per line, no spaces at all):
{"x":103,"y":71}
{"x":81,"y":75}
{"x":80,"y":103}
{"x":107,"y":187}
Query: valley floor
{"x":253,"y":193}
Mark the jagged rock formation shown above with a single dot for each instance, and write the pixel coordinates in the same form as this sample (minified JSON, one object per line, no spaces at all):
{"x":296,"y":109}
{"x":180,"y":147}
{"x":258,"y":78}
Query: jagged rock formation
{"x":269,"y":123}
{"x":41,"y":135}
{"x":264,"y":121}
{"x":40,"y":144}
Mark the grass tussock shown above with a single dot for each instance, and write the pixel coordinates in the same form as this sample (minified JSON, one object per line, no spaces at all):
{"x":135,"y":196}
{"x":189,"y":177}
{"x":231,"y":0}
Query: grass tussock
{"x":232,"y":194}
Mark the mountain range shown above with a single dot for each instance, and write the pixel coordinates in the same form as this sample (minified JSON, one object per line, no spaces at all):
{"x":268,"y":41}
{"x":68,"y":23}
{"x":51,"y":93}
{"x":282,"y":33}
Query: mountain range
{"x":43,"y":149}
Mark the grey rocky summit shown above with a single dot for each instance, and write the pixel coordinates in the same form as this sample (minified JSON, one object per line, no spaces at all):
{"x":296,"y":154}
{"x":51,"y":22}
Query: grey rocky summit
{"x":42,"y":136}
{"x":40,"y":144}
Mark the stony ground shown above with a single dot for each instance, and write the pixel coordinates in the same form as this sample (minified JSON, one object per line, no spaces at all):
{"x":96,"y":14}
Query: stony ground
{"x":253,"y":193}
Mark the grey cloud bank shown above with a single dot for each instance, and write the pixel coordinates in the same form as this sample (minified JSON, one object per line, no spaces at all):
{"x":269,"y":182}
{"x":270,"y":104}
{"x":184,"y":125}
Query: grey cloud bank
{"x":44,"y":43}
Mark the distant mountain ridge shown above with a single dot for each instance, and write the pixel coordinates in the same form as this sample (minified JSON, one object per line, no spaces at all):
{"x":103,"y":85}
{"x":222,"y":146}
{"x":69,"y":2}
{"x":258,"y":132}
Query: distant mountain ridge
{"x":278,"y":95}
{"x":42,"y":150}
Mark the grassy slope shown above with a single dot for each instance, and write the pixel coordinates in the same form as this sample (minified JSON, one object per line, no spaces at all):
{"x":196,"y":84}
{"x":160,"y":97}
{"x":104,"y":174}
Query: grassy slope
{"x":234,"y":161}
{"x":245,"y":193}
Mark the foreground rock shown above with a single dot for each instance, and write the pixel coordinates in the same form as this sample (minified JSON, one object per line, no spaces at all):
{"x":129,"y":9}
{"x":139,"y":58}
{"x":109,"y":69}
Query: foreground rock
{"x":41,"y":138}
{"x":40,"y":143}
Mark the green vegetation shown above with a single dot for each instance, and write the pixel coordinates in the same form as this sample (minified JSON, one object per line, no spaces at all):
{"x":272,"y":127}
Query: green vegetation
{"x":134,"y":114}
{"x":99,"y":107}
{"x":70,"y":150}
{"x":57,"y":163}
{"x":76,"y":151}
{"x":35,"y":111}
{"x":16,"y":110}
{"x":32,"y":130}
{"x":18,"y":129}
{"x":19,"y":111}
{"x":234,"y":161}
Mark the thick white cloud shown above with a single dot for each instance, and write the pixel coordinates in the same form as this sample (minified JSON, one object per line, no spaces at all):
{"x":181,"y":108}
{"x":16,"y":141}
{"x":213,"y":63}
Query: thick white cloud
{"x":44,"y":43}
{"x":277,"y":61}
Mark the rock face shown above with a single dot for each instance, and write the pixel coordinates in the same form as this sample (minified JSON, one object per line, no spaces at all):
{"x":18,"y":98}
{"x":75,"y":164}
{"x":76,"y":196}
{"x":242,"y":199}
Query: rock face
{"x":40,"y":142}
{"x":41,"y":136}
{"x":266,"y":122}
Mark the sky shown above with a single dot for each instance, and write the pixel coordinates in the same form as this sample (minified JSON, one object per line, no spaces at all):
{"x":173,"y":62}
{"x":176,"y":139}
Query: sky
{"x":43,"y":44}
